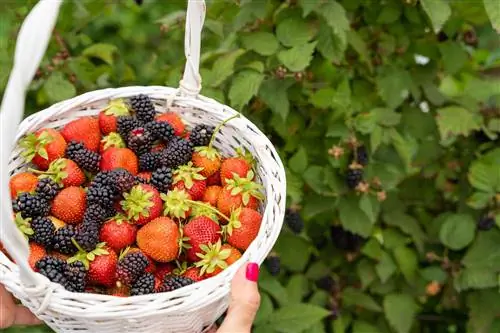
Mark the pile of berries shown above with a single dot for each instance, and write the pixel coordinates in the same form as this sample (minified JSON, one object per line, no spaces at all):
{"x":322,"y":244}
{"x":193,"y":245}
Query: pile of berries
{"x":132,"y":202}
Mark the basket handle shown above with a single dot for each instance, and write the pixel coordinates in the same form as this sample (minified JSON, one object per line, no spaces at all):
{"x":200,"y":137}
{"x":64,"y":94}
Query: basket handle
{"x":32,"y":42}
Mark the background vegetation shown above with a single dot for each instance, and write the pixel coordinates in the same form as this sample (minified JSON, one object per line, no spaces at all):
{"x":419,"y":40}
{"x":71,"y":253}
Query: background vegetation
{"x":415,"y":247}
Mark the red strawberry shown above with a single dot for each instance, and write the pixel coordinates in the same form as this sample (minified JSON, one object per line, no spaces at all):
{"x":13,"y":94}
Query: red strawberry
{"x":114,"y":158}
{"x":37,"y":252}
{"x":215,"y":257}
{"x":69,"y":205}
{"x":43,"y":147}
{"x":189,"y":178}
{"x":243,"y":227}
{"x":22,"y":182}
{"x":65,"y":172}
{"x":177,"y":204}
{"x":212,"y":194}
{"x":159,"y":239}
{"x":200,"y":230}
{"x":234,"y":165}
{"x":118,"y":233}
{"x":234,"y":254}
{"x":214,"y":179}
{"x":102,"y":270}
{"x":146,"y":175}
{"x":142,"y":204}
{"x":85,"y":130}
{"x":113,"y":139}
{"x":158,"y":147}
{"x":239,"y":192}
{"x":163,"y":270}
{"x":194,"y":274}
{"x":174,"y":120}
{"x":108,"y":116}
{"x":208,"y":159}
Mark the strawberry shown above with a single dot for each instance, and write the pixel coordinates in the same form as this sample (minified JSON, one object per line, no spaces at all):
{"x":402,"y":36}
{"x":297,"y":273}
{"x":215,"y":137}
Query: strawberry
{"x":22,"y":182}
{"x":119,"y":291}
{"x":243,"y":227}
{"x":214,"y":179}
{"x":159,"y":239}
{"x":208,"y":159}
{"x":158,"y":147}
{"x":232,"y":166}
{"x":65,"y":172}
{"x":212,"y":194}
{"x":214,"y":258}
{"x":189,"y":178}
{"x":102,"y":270}
{"x":43,"y":147}
{"x":163,"y":270}
{"x":200,"y":230}
{"x":107,"y":117}
{"x":85,"y":130}
{"x":145,"y":175}
{"x":239,"y":192}
{"x":113,"y":139}
{"x":37,"y":252}
{"x":118,"y":233}
{"x":174,"y":120}
{"x":235,"y":254}
{"x":177,"y":203}
{"x":69,"y":205}
{"x":194,"y":274}
{"x":114,"y":158}
{"x":142,"y":204}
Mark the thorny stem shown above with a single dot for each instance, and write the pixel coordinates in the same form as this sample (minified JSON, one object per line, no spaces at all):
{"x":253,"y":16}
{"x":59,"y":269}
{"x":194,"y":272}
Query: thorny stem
{"x":209,"y":208}
{"x":217,"y":129}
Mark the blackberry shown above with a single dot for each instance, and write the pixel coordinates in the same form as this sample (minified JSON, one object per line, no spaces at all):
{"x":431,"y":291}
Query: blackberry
{"x":131,"y":266}
{"x":76,"y":276}
{"x":125,"y":124}
{"x":141,"y":180}
{"x":145,"y":284}
{"x":273,"y":264}
{"x":171,"y":283}
{"x":178,"y":152}
{"x":201,"y":135}
{"x":149,"y":161}
{"x":123,"y":180}
{"x":47,"y":188}
{"x":97,"y":213}
{"x":31,"y":205}
{"x":43,"y":231}
{"x":87,"y":235}
{"x":294,"y":221}
{"x":326,"y":283}
{"x":345,"y":240}
{"x":140,"y":140}
{"x":143,"y":107}
{"x":486,"y":223}
{"x":354,"y":177}
{"x":161,"y":130}
{"x":71,"y":276}
{"x":62,"y":240}
{"x":104,"y":195}
{"x":86,"y":159}
{"x":362,"y":156}
{"x":162,"y":179}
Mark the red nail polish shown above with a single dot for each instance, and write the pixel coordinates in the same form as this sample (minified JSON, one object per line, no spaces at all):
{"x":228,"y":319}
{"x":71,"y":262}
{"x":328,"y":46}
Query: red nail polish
{"x":252,"y":272}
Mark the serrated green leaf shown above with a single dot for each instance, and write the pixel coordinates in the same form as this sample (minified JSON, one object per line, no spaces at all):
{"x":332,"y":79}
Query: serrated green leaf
{"x":434,"y":273}
{"x":224,"y":67}
{"x":244,"y":86}
{"x":400,"y":311}
{"x":355,"y":297}
{"x":455,"y":120}
{"x":330,"y":45}
{"x":394,"y":85}
{"x":493,"y":11}
{"x":264,"y":43}
{"x":386,"y":267}
{"x":457,"y":231}
{"x":479,"y":200}
{"x":297,"y":288}
{"x":293,"y":31}
{"x":484,"y":253}
{"x":360,"y":46}
{"x":438,"y":11}
{"x":322,"y":98}
{"x":370,"y":206}
{"x":484,"y":306}
{"x":454,"y":55}
{"x":365,"y":122}
{"x":298,"y":162}
{"x":407,"y":261}
{"x":295,"y":318}
{"x":353,"y":218}
{"x":386,"y":117}
{"x":406,"y":146}
{"x":58,"y":88}
{"x":274,"y":289}
{"x":372,"y":249}
{"x":294,"y":252}
{"x":376,"y":138}
{"x":484,"y":176}
{"x":297,"y":58}
{"x":366,"y":273}
{"x":336,"y":17}
{"x":274,"y":93}
{"x":360,"y":326}
{"x":101,"y":51}
{"x":308,"y":6}
{"x":476,"y":279}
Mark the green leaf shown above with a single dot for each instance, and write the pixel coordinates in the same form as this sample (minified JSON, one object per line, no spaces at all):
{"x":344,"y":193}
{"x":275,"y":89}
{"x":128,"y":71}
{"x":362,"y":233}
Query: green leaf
{"x":385,"y":267}
{"x":484,"y":176}
{"x":454,"y":55}
{"x":484,"y":306}
{"x":365,"y":122}
{"x":244,"y":86}
{"x":370,"y":206}
{"x":484,"y":253}
{"x":58,"y":88}
{"x":298,"y":162}
{"x":476,"y":279}
{"x":366,"y":272}
{"x":101,"y":51}
{"x":264,"y":43}
{"x":353,"y":218}
{"x":293,"y":31}
{"x":336,"y":17}
{"x":400,"y":311}
{"x":438,"y":11}
{"x":294,"y":252}
{"x":434,"y":273}
{"x":330,"y":45}
{"x":271,"y":286}
{"x":297,"y":58}
{"x":493,"y":11}
{"x":456,"y":120}
{"x":355,"y":297}
{"x":265,"y":310}
{"x":372,"y":249}
{"x":224,"y":67}
{"x":407,"y":261}
{"x":457,"y":231}
{"x":479,"y":200}
{"x":308,"y":6}
{"x":406,"y":146}
{"x":297,"y":288}
{"x":386,"y":117}
{"x":360,"y":46}
{"x":360,"y":326}
{"x":393,"y":85}
{"x":376,"y":138}
{"x":322,"y":98}
{"x":274,"y":93}
{"x":295,"y":318}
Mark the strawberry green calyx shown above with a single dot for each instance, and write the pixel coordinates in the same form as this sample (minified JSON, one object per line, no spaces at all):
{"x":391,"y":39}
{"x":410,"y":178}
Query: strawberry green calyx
{"x":217,"y":129}
{"x":188,"y":174}
{"x":234,"y":222}
{"x":207,"y":207}
{"x":212,"y":258}
{"x":123,"y":253}
{"x":202,"y":210}
{"x":246,"y":187}
{"x":24,"y":225}
{"x":117,"y":107}
{"x":113,"y":139}
{"x":209,"y":152}
{"x":181,"y":268}
{"x":86,"y":257}
{"x":246,"y":155}
{"x":176,"y":203}
{"x":55,"y":171}
{"x":33,"y":144}
{"x":137,"y":202}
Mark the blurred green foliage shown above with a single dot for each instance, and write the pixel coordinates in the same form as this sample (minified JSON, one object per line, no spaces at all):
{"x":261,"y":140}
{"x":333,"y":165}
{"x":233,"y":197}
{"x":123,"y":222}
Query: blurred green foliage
{"x":414,"y":82}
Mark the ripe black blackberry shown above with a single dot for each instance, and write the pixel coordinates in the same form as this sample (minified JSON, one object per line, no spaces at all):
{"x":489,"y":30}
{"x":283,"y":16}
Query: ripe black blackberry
{"x":47,"y":188}
{"x":130,"y":267}
{"x":354,"y":177}
{"x":178,"y":152}
{"x":141,"y":180}
{"x":345,"y":240}
{"x":174,"y":282}
{"x":104,"y":195}
{"x":273,"y":264}
{"x":362,"y":155}
{"x":43,"y":231}
{"x":149,"y":161}
{"x":161,"y":178}
{"x":140,"y":140}
{"x":76,"y":276}
{"x":161,"y":130}
{"x":30,"y":205}
{"x":62,"y":240}
{"x":294,"y":221}
{"x":97,"y":213}
{"x":71,"y":276}
{"x":86,"y":159}
{"x":486,"y":222}
{"x":201,"y":135}
{"x":122,"y":179}
{"x":145,"y":284}
{"x":87,"y":235}
{"x":125,"y":124}
{"x":143,"y":107}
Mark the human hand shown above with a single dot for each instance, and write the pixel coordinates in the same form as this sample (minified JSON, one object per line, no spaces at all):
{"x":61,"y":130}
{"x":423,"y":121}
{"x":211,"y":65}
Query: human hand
{"x":13,"y":314}
{"x":245,"y":301}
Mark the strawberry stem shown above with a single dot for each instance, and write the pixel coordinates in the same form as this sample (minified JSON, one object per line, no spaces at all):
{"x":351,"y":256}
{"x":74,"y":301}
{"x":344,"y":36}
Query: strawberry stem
{"x":39,"y":172}
{"x":209,"y":207}
{"x":217,"y":129}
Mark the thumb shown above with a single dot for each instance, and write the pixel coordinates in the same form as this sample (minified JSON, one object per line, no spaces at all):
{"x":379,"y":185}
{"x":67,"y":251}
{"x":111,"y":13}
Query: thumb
{"x":245,"y":301}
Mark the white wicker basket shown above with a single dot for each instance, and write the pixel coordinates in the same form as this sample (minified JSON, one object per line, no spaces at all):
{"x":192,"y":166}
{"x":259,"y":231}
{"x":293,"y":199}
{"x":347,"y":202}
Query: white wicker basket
{"x":190,"y":309}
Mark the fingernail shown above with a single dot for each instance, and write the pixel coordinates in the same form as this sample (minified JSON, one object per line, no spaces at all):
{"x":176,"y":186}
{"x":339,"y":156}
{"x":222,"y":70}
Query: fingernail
{"x":252,"y":272}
